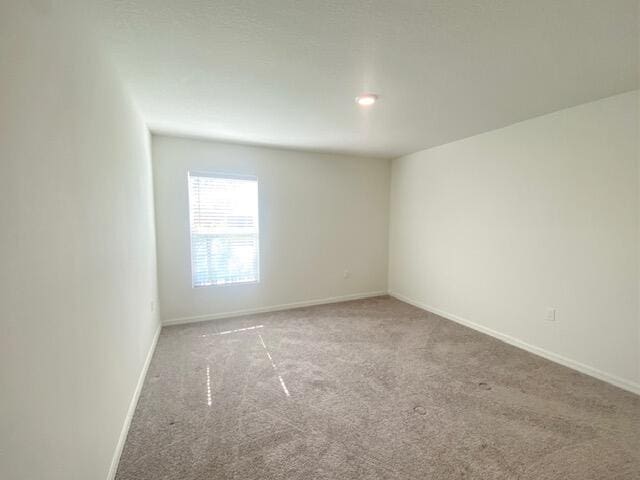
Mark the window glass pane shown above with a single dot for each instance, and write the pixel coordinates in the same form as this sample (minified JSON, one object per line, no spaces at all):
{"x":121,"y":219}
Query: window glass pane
{"x":224,"y":229}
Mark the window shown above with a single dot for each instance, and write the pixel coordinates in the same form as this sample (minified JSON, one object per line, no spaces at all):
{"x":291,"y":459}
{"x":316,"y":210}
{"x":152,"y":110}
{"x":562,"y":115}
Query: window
{"x":223,"y":211}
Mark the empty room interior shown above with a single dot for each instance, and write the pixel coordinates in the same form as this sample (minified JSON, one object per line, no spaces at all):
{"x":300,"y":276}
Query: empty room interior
{"x":319,"y":239}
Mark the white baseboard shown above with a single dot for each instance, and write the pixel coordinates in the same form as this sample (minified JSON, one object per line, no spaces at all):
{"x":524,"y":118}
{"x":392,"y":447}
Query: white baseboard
{"x":272,"y":308}
{"x":554,"y":357}
{"x":132,"y":407}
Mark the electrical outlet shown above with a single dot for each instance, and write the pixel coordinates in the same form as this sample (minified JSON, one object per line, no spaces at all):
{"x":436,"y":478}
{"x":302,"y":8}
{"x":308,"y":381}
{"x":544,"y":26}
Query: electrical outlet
{"x":551,"y":315}
{"x":152,"y":305}
{"x":346,"y":274}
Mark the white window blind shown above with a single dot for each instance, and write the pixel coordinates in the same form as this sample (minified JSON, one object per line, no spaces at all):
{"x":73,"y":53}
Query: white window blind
{"x":224,"y":229}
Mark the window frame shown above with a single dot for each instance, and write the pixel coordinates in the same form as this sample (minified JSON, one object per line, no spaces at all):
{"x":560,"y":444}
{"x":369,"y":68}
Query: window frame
{"x":231,"y":176}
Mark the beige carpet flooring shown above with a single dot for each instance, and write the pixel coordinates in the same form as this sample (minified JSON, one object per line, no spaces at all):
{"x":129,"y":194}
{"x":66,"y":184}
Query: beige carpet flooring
{"x":370,"y":389}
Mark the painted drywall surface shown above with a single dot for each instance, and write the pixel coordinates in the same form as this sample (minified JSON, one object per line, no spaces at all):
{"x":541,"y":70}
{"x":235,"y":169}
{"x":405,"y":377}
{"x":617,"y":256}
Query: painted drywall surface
{"x":319,"y":215}
{"x":77,"y":249}
{"x":498,"y":227}
{"x":280,"y":72}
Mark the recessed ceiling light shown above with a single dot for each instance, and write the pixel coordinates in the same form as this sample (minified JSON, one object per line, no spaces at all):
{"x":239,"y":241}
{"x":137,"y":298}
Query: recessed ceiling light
{"x":366,"y":99}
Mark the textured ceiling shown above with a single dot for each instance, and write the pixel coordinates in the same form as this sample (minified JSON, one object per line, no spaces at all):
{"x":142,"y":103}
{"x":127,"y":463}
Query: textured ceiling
{"x":285,"y":72}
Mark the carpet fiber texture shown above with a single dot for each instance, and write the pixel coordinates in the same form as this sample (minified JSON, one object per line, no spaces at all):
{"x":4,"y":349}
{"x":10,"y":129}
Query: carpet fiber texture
{"x":370,"y":389}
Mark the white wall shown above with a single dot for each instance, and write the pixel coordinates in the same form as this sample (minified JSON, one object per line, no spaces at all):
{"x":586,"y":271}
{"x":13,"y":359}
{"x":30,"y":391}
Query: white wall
{"x":319,"y":215}
{"x":495,"y":228}
{"x":77,"y":250}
